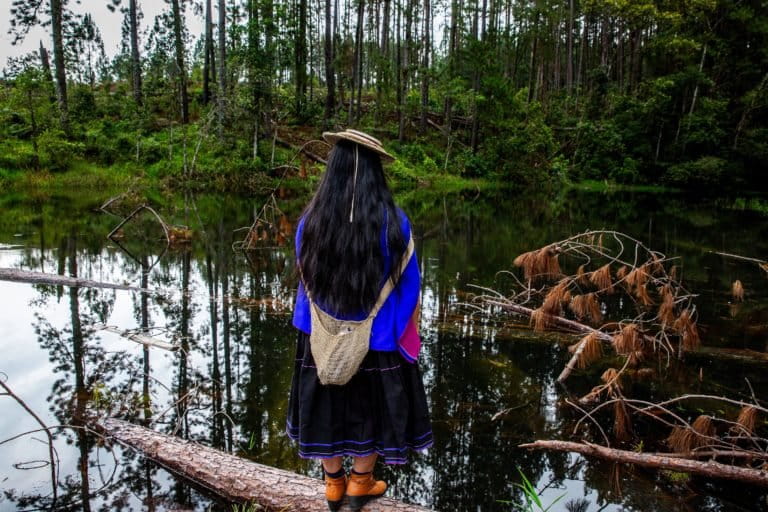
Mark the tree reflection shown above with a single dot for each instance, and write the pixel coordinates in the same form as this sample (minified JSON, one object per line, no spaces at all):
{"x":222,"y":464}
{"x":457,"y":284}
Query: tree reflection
{"x":231,"y":318}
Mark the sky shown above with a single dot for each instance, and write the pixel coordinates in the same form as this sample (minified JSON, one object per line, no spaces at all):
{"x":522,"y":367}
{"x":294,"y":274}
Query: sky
{"x":109,"y":24}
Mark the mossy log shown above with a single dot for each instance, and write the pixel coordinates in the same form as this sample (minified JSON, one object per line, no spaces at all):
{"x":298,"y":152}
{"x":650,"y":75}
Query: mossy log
{"x":233,"y":478}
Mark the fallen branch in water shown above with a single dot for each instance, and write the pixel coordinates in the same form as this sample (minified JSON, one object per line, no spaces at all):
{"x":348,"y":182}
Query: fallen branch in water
{"x":51,"y":451}
{"x":233,"y":478}
{"x":709,"y":468}
{"x":137,"y":337}
{"x":25,"y":276}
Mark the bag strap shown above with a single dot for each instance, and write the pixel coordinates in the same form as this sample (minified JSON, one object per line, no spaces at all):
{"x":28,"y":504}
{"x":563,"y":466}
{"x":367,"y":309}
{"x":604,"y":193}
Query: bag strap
{"x":389,"y":285}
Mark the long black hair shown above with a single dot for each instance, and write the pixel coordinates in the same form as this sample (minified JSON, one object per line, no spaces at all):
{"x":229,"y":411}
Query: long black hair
{"x":341,"y":262}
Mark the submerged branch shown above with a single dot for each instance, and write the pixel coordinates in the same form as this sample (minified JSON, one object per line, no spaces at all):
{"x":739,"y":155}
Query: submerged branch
{"x":671,"y":462}
{"x":25,"y":276}
{"x":54,"y":479}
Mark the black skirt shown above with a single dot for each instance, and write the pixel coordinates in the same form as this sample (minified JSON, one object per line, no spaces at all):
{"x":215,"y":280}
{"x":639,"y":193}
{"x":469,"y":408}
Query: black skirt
{"x":382,"y":409}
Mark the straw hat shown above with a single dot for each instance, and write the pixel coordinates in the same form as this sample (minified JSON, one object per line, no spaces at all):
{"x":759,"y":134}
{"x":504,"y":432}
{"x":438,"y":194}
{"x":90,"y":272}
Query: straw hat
{"x":360,"y":138}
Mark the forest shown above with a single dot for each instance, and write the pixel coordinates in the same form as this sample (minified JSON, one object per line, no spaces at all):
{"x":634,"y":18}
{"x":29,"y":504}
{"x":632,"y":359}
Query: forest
{"x":519,"y":92}
{"x":584,"y":182}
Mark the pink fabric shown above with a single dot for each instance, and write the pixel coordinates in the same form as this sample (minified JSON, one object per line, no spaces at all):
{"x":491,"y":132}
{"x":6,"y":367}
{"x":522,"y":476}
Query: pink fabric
{"x":410,"y":342}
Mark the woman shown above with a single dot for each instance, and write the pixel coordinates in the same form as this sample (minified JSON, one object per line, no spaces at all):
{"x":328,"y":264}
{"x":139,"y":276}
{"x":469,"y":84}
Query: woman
{"x":350,"y":239}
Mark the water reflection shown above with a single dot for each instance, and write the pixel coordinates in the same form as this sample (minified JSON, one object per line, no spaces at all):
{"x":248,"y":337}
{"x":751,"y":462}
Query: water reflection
{"x":227,"y":385}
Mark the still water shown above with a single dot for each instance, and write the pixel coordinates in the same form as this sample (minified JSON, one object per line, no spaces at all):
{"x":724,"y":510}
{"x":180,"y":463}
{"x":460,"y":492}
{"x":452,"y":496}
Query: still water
{"x":229,"y":311}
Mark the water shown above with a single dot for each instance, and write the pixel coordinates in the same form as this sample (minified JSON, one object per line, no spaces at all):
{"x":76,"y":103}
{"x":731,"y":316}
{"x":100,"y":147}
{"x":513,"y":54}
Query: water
{"x":230,"y":312}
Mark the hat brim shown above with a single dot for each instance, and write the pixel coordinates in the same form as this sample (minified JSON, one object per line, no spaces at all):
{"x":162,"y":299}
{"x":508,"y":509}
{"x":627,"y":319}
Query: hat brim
{"x":333,"y":137}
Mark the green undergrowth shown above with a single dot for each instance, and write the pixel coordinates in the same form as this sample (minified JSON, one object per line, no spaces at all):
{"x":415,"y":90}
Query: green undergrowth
{"x":610,"y":186}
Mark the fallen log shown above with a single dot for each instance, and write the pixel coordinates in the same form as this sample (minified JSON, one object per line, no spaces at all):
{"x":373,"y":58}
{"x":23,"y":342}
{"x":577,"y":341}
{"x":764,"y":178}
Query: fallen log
{"x":710,"y":468}
{"x":233,"y":478}
{"x":303,"y":150}
{"x":25,"y":276}
{"x":139,"y":338}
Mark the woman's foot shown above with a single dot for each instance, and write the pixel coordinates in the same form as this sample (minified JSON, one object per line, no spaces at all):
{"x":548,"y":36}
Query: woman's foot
{"x":362,"y":488}
{"x":335,"y":487}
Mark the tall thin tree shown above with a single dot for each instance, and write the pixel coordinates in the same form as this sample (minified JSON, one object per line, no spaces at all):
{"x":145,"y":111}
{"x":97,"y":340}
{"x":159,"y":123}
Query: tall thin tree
{"x":208,"y":51}
{"x":181,"y":67}
{"x":221,"y":93}
{"x":330,"y":74}
{"x":57,"y":16}
{"x":135,"y":56}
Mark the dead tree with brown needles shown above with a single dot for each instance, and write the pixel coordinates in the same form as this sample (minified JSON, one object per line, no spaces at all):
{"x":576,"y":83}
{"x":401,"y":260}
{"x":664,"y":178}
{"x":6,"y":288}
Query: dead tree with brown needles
{"x":617,"y":293}
{"x":623,"y":298}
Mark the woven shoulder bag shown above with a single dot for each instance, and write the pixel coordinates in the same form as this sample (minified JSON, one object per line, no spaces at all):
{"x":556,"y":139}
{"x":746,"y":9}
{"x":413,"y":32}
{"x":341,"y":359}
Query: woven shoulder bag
{"x":339,"y":346}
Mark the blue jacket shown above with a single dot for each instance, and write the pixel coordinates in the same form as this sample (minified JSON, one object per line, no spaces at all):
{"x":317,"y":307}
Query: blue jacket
{"x":394,"y":315}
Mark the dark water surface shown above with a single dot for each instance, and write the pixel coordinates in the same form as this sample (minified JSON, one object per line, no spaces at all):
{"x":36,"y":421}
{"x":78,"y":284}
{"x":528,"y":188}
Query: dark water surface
{"x":230,"y":312}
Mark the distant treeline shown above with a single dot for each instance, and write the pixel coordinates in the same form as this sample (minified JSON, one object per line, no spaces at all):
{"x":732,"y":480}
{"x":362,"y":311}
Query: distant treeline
{"x":637,"y":91}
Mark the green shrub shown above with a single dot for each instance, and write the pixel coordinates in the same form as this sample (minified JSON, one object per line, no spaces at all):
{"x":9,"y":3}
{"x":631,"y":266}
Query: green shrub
{"x":56,"y":152}
{"x":82,"y":103}
{"x":707,"y":171}
{"x":16,"y":155}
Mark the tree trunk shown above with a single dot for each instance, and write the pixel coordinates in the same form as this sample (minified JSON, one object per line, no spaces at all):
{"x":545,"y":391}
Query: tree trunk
{"x":301,"y":60}
{"x":569,"y":50}
{"x":359,"y":61}
{"x":427,"y":38}
{"x":45,"y":63}
{"x":709,"y":469}
{"x":604,"y":41}
{"x":582,"y":51}
{"x":383,"y":67}
{"x":532,"y":76}
{"x":253,"y":78}
{"x":330,"y":74}
{"x":357,"y":77}
{"x":221,"y":92}
{"x":452,"y":46}
{"x":399,"y":76}
{"x":208,"y":51}
{"x":179,"y":44}
{"x":270,"y":58}
{"x":233,"y":478}
{"x":58,"y":62}
{"x":135,"y":58}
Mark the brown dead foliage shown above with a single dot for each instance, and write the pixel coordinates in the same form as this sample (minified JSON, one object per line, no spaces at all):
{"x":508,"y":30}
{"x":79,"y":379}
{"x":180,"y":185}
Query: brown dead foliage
{"x":667,"y":307}
{"x":557,"y":296}
{"x":540,"y":320}
{"x":641,"y":292}
{"x":737,"y":290}
{"x":637,"y":277}
{"x":686,"y":328}
{"x":685,"y":439}
{"x":586,"y":306}
{"x":627,"y":340}
{"x":591,"y":352}
{"x":602,"y":278}
{"x":622,"y":423}
{"x":747,"y":420}
{"x":582,"y":277}
{"x":539,"y":263}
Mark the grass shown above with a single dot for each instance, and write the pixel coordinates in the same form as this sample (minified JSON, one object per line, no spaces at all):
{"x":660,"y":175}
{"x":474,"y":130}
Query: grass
{"x":607,"y":186}
{"x":532,"y":501}
{"x":82,"y":175}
